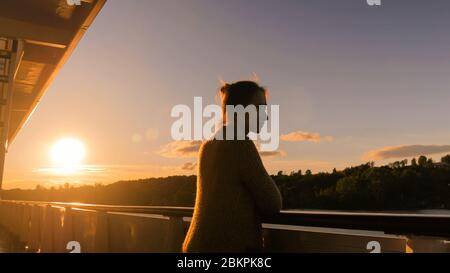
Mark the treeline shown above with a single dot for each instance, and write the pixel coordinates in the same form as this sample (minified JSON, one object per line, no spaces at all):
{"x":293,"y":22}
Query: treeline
{"x":170,"y":191}
{"x":422,"y":184}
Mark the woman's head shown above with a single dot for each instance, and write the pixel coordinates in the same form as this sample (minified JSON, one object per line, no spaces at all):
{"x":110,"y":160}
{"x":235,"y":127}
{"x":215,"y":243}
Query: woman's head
{"x":243,"y":93}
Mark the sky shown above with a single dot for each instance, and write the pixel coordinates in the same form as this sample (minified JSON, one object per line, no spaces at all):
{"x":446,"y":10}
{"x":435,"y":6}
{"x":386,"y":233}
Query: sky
{"x":354,"y":83}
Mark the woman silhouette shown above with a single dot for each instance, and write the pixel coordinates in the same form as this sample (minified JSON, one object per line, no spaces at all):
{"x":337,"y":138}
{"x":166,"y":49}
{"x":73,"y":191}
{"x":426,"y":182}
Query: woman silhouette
{"x":233,"y":188}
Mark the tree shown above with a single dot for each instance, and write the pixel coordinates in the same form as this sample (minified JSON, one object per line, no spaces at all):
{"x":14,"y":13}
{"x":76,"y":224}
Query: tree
{"x":308,"y":173}
{"x":446,"y":159}
{"x":404,"y":163}
{"x":422,"y":161}
{"x":395,"y":165}
{"x":414,"y":162}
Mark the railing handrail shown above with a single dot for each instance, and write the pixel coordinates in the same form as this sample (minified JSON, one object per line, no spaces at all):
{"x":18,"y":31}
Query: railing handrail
{"x":389,"y":223}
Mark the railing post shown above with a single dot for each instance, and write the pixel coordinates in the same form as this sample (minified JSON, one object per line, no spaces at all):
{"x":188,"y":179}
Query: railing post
{"x":102,"y":233}
{"x":34,"y":240}
{"x":174,"y":235}
{"x":47,"y":232}
{"x":67,"y":228}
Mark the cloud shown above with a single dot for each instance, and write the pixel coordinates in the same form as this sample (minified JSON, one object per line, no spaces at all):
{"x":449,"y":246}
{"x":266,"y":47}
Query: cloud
{"x":189,"y":149}
{"x":299,"y":136}
{"x":407,"y":151}
{"x":189,"y":166}
{"x":88,"y":175}
{"x":64,"y":171}
{"x":178,"y":149}
{"x":269,"y":153}
{"x":273,"y":153}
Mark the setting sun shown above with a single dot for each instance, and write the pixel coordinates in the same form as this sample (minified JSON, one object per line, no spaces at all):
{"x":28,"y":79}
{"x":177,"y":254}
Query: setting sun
{"x":68,"y":153}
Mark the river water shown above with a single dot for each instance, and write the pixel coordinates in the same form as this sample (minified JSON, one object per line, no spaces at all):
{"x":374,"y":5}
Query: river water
{"x":442,"y":212}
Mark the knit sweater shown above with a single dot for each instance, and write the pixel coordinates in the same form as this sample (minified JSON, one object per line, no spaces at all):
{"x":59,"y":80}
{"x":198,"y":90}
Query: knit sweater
{"x":233,"y":191}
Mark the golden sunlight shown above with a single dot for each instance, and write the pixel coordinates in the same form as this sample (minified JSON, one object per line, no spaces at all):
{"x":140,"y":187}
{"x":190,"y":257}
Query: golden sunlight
{"x":67,"y":155}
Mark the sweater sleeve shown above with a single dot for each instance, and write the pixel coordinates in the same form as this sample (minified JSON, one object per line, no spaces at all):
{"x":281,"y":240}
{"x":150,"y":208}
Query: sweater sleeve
{"x":261,"y":186}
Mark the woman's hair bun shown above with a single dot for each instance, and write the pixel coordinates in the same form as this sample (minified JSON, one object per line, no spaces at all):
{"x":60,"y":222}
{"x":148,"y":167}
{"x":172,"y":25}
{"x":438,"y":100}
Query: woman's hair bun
{"x":225,"y":88}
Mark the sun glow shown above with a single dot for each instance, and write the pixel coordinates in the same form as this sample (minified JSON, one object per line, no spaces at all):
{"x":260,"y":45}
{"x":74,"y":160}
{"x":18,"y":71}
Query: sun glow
{"x":67,"y":155}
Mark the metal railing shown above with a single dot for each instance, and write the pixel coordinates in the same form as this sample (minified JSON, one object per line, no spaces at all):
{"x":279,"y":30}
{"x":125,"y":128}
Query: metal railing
{"x":436,"y":227}
{"x":390,"y":223}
